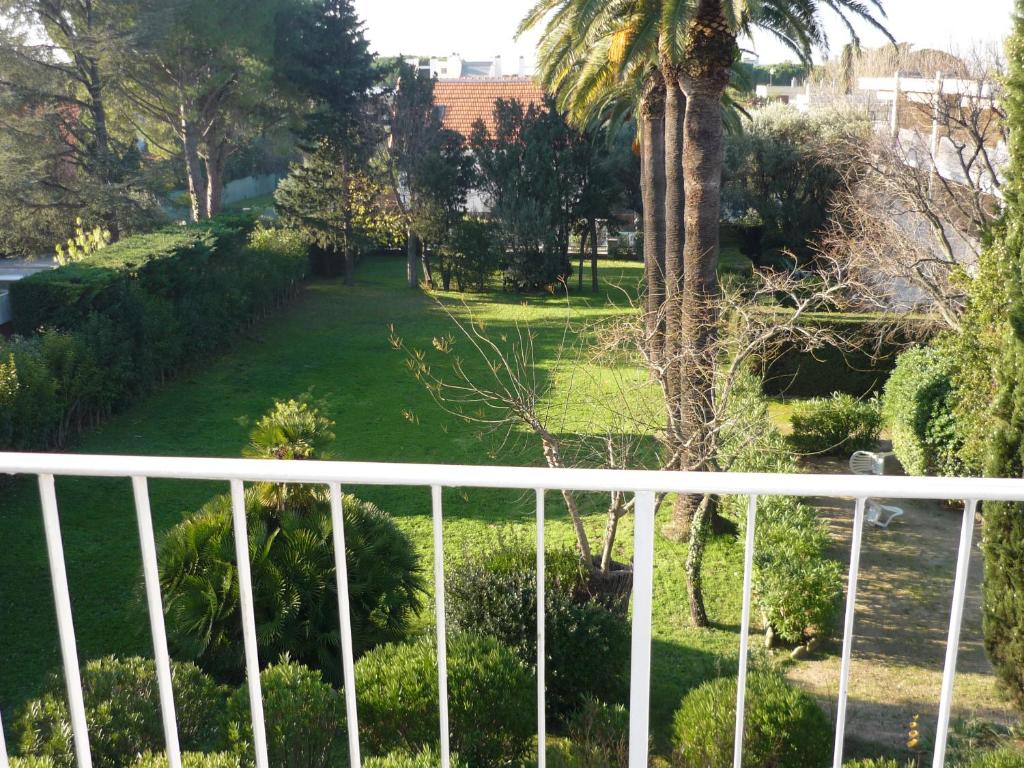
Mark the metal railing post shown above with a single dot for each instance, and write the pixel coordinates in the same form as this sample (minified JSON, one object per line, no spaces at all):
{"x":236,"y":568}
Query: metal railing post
{"x":442,"y":641}
{"x":956,"y":617}
{"x":345,"y":616}
{"x":851,"y":611}
{"x":640,"y":656}
{"x":252,"y":659}
{"x":65,"y":622}
{"x":161,"y":657}
{"x":3,"y":746}
{"x":541,"y":650}
{"x":748,"y":586}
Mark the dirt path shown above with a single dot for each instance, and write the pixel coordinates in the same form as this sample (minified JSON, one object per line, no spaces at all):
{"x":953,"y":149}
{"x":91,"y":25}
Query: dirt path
{"x":904,"y":597}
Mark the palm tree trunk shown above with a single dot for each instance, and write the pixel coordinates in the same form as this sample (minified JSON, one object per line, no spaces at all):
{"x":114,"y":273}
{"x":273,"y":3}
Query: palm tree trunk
{"x":703,"y":78}
{"x":652,"y":192}
{"x":675,"y":241}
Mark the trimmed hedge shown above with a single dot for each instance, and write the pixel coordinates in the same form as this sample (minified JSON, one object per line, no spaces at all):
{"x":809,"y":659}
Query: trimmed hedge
{"x":97,"y":333}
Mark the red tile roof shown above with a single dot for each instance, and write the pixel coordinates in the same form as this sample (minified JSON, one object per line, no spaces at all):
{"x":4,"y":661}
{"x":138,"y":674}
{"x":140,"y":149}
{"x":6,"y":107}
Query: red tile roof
{"x":467,"y":100}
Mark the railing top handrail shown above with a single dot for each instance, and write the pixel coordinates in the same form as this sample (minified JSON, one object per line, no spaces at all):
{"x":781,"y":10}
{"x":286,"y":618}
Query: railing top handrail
{"x":471,"y":476}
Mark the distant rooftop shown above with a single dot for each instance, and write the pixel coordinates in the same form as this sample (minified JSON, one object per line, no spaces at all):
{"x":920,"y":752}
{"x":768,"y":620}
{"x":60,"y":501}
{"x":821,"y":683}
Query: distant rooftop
{"x":464,"y":101}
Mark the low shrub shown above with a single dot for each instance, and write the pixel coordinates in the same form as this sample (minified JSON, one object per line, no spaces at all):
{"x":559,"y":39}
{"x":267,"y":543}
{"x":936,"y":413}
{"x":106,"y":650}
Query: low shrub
{"x":294,"y":583}
{"x":918,"y":405}
{"x":122,"y":709}
{"x":796,"y":584}
{"x":834,"y":425}
{"x":100,"y":331}
{"x":305,"y":718}
{"x":490,"y":700}
{"x":599,"y":736}
{"x":783,"y":726}
{"x":494,"y":592}
{"x":32,"y":762}
{"x":1006,"y":757}
{"x":878,"y":762}
{"x":190,"y":760}
{"x":425,"y":758}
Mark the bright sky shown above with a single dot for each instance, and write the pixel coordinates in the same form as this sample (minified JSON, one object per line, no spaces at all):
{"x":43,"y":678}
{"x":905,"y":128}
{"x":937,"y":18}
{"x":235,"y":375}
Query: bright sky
{"x":481,"y":29}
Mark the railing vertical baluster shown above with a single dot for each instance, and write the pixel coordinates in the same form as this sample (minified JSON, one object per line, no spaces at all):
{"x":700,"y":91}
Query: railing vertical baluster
{"x":344,"y":613}
{"x":542,"y":751}
{"x":65,"y":623}
{"x":640,"y":654}
{"x":956,"y":617}
{"x":252,"y":659}
{"x":748,"y":586}
{"x":162,"y":658}
{"x":851,"y":610}
{"x":3,"y":746}
{"x":442,"y":642}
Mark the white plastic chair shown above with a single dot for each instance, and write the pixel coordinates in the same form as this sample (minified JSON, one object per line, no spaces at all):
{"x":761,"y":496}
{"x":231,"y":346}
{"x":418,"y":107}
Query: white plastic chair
{"x":868,"y":463}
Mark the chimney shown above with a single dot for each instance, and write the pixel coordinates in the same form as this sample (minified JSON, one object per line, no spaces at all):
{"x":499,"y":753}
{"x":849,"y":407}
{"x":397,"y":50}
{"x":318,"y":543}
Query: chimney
{"x":522,"y":66}
{"x":496,"y":67}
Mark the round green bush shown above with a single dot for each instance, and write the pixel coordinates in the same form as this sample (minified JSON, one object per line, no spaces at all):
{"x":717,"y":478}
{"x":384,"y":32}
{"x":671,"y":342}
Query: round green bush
{"x":189,"y":760}
{"x":122,"y":709}
{"x":494,"y":593}
{"x":918,"y":404}
{"x":491,"y":701}
{"x":304,"y":718}
{"x":784,"y":726}
{"x":294,"y":585}
{"x":425,"y":758}
{"x":839,"y":424}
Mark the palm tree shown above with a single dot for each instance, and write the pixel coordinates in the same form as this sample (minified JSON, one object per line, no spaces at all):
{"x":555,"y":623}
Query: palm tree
{"x":692,"y":45}
{"x":699,"y":40}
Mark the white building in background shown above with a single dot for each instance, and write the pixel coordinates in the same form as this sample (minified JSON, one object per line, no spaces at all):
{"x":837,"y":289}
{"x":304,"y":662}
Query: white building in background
{"x":455,"y":67}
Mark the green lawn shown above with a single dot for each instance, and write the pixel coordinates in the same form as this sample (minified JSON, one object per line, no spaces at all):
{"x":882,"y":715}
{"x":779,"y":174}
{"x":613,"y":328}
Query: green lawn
{"x":334,"y":340}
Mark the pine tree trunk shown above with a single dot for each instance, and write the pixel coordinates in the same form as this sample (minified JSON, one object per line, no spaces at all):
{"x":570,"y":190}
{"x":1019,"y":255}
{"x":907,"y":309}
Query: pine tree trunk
{"x":428,"y":275}
{"x":215,"y":157}
{"x":583,"y":248}
{"x":193,"y":168}
{"x":411,"y":257}
{"x":652,"y":191}
{"x":593,"y":256}
{"x":102,"y":141}
{"x":348,"y":262}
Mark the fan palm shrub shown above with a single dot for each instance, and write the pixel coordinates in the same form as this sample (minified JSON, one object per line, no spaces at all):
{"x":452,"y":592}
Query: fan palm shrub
{"x":294,"y":582}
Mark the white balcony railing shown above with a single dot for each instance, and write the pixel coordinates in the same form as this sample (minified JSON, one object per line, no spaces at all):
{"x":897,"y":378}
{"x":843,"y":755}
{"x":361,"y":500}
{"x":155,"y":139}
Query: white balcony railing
{"x":437,"y":477}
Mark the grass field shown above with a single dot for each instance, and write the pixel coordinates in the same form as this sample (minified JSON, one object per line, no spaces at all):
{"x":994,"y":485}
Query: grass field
{"x":333,"y":340}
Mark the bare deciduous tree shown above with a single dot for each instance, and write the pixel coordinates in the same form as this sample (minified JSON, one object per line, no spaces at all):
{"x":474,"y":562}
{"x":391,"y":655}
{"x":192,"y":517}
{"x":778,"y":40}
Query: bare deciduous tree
{"x":499,"y":384}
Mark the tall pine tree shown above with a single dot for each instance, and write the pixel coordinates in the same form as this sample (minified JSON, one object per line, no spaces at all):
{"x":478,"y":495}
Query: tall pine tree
{"x":1003,"y":540}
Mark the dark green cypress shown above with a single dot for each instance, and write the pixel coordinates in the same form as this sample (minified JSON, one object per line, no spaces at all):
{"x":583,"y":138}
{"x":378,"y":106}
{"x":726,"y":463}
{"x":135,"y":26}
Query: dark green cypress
{"x":1003,"y":539}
